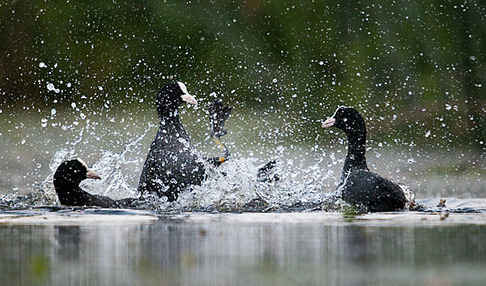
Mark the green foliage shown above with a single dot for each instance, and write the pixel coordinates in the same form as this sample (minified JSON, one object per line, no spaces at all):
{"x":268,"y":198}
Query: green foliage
{"x":304,"y":58}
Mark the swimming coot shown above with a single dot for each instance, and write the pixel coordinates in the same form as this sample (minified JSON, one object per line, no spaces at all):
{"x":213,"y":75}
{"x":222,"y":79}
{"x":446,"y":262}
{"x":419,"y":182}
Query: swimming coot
{"x":67,"y":178}
{"x":172,"y":164}
{"x":358,"y":185}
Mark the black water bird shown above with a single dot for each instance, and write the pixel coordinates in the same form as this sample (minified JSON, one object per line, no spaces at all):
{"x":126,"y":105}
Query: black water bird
{"x":358,"y":185}
{"x":172,"y":163}
{"x":67,"y":178}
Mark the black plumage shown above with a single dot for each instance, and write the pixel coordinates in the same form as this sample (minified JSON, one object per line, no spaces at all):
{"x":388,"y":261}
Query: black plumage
{"x":172,"y":164}
{"x":358,"y":185}
{"x":67,"y":178}
{"x":218,"y":113}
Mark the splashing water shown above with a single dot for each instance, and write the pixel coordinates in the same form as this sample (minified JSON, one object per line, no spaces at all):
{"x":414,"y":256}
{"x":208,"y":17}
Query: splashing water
{"x":233,"y":187}
{"x":44,"y":193}
{"x":116,"y":171}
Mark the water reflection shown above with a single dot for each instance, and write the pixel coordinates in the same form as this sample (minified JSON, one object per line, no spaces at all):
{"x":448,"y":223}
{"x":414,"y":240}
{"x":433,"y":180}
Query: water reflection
{"x":68,"y":241}
{"x":219,"y":253}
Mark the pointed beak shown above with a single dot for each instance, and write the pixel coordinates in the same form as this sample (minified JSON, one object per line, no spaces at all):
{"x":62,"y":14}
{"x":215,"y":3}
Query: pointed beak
{"x":329,"y":122}
{"x":92,"y":175}
{"x":186,"y":97}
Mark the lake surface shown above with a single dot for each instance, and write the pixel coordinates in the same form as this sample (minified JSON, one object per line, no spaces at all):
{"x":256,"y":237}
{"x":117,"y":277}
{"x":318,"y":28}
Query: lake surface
{"x":96,"y":247}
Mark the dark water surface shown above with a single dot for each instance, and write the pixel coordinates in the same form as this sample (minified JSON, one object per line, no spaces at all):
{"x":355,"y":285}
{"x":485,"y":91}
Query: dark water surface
{"x":244,"y":249}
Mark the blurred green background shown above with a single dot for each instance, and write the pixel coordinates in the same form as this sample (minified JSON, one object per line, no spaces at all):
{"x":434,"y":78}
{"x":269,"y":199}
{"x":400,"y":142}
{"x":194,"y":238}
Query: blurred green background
{"x":416,"y":69}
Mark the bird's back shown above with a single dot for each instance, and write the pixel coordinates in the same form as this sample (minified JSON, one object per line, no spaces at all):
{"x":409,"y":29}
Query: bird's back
{"x":171,"y":165}
{"x":366,"y":188}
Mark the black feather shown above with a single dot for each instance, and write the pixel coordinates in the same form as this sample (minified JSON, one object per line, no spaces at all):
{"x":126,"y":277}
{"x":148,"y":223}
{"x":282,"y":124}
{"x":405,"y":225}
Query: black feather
{"x":67,"y":178}
{"x":218,"y":114}
{"x":358,"y":185}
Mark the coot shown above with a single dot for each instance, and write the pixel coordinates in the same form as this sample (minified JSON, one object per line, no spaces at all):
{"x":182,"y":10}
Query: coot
{"x":358,"y":185}
{"x":172,"y":163}
{"x":67,"y":178}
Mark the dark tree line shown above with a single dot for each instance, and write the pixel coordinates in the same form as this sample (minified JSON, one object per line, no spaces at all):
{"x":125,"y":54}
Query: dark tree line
{"x":418,"y":63}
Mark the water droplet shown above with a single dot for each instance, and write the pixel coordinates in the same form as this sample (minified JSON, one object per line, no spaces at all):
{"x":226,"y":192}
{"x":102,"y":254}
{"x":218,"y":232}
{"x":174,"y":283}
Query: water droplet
{"x":53,"y":112}
{"x":44,"y":122}
{"x":51,"y":87}
{"x":42,"y":65}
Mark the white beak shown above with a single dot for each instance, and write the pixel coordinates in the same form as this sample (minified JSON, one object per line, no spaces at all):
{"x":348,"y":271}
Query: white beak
{"x":186,"y":97}
{"x":92,"y":175}
{"x":329,"y":122}
{"x":189,"y":99}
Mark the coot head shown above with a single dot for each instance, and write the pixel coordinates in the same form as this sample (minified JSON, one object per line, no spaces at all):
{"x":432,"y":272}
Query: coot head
{"x":347,"y":119}
{"x":73,"y":172}
{"x":171,"y":96}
